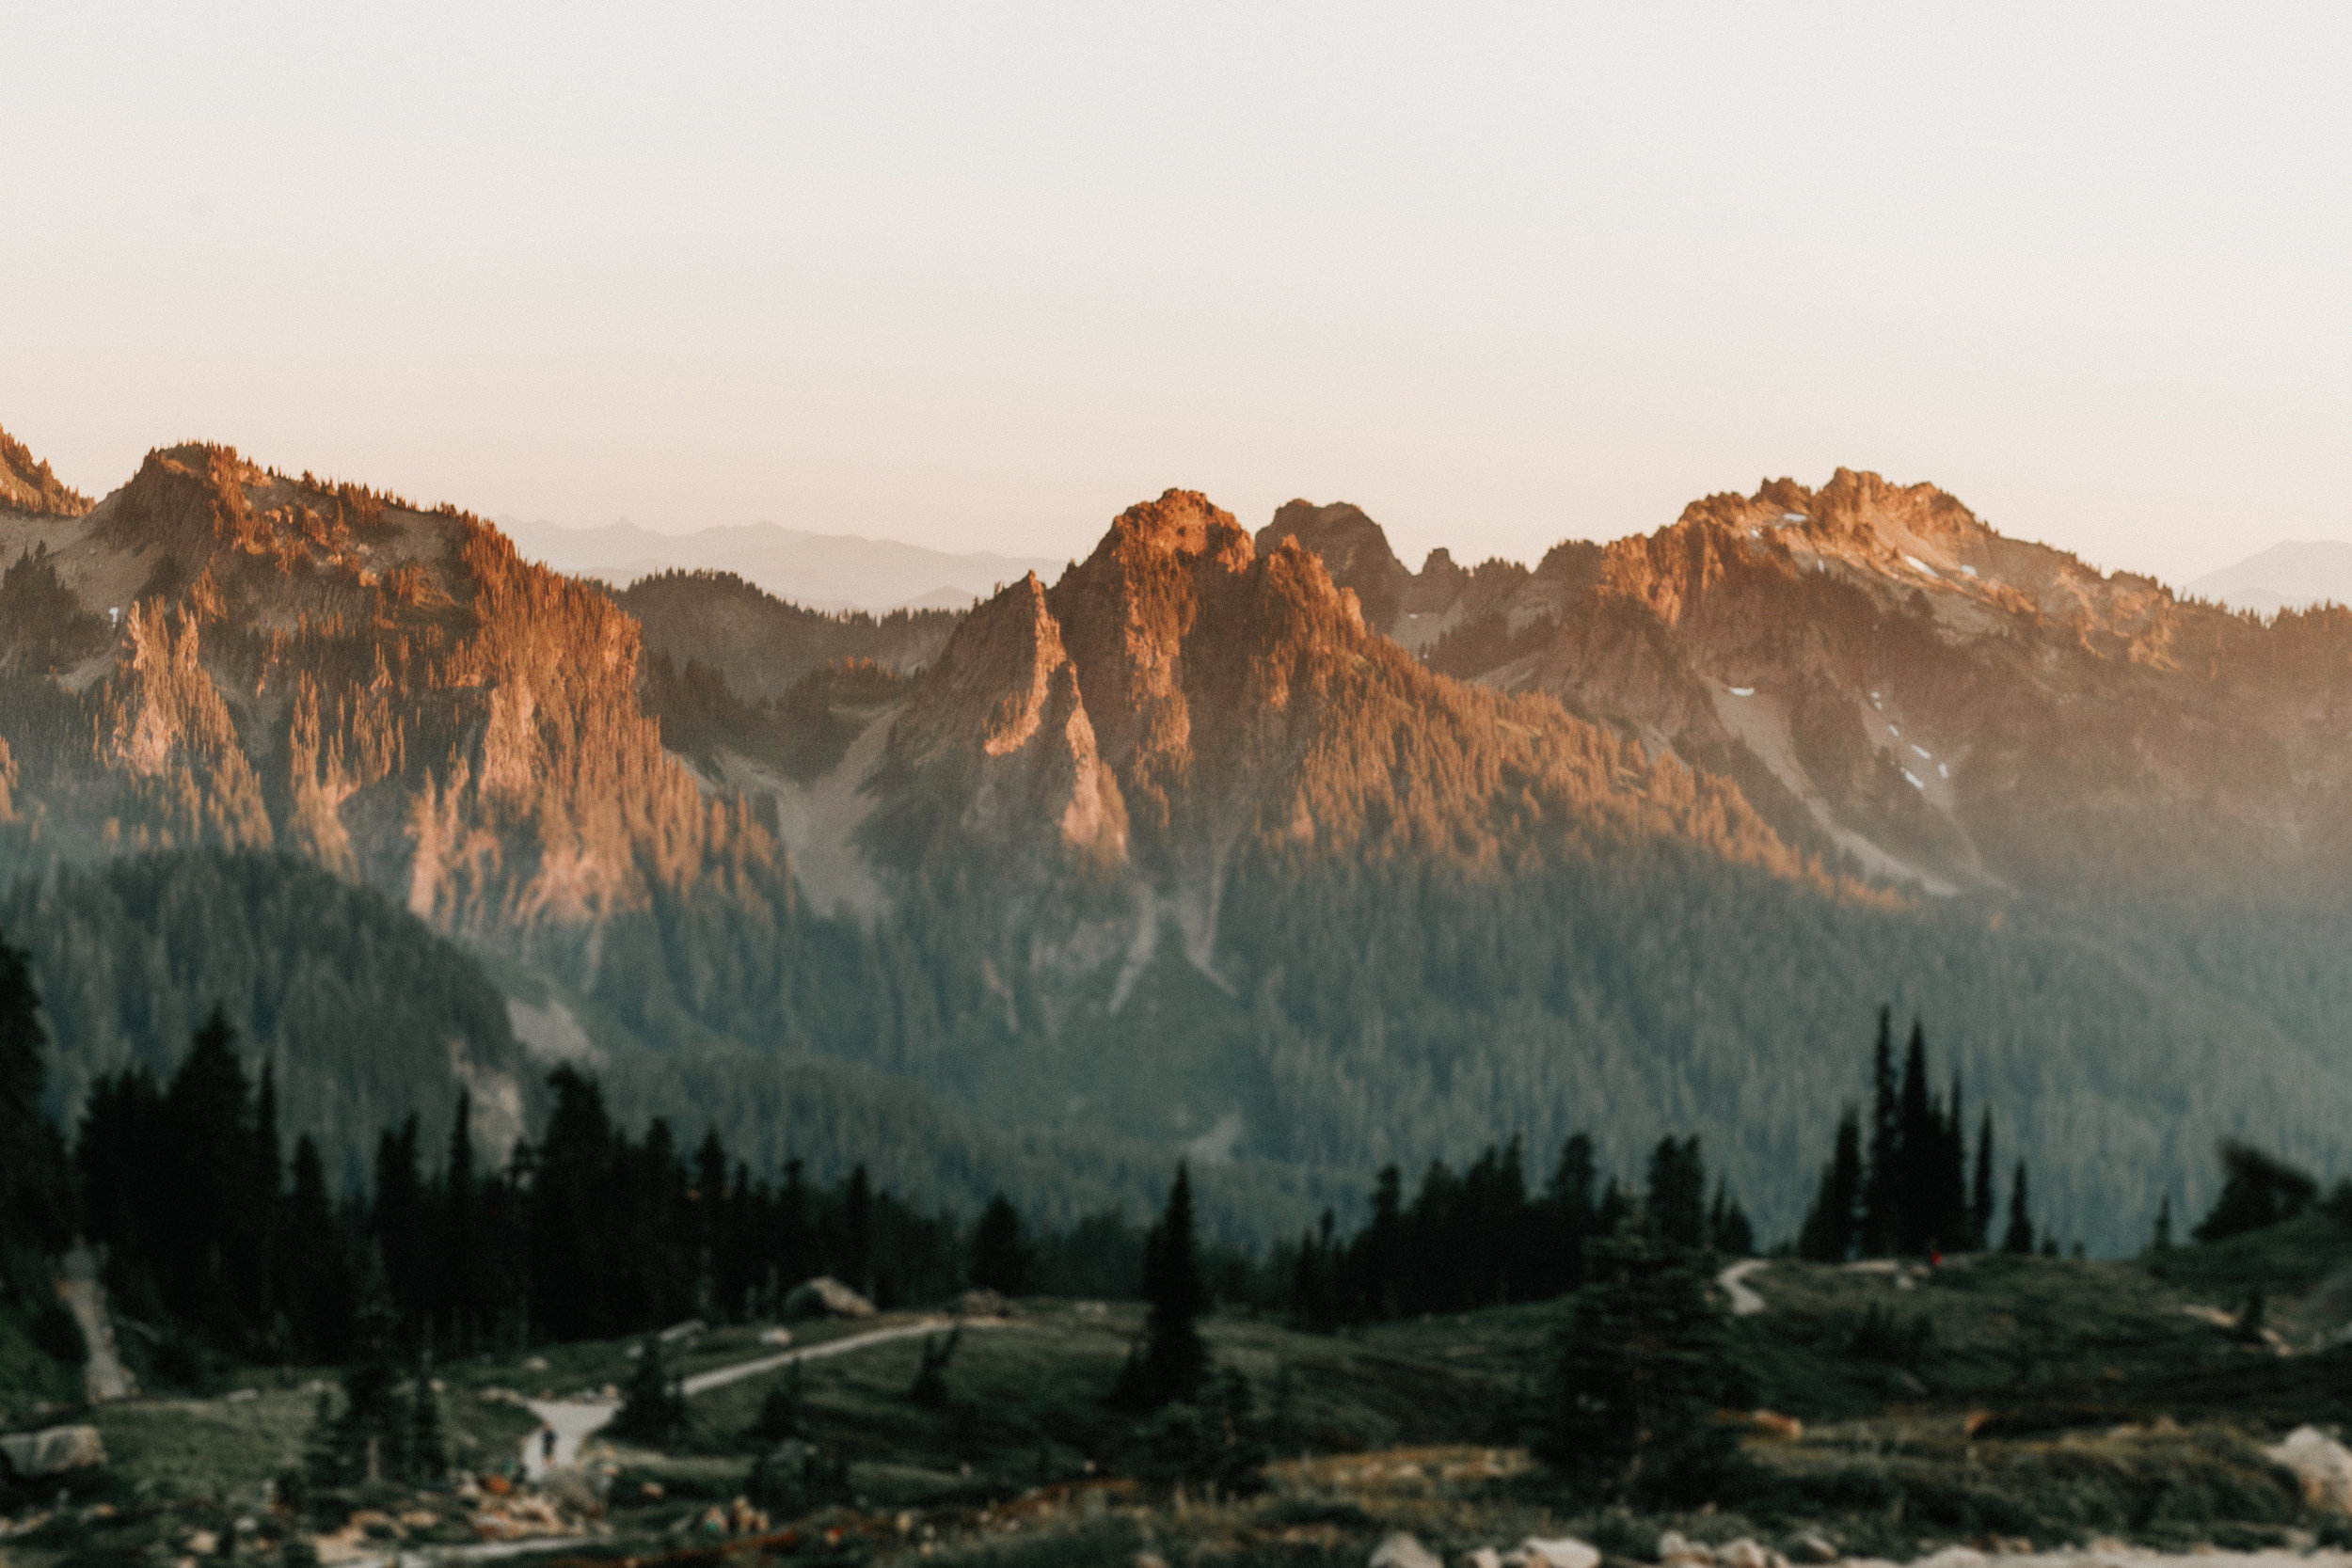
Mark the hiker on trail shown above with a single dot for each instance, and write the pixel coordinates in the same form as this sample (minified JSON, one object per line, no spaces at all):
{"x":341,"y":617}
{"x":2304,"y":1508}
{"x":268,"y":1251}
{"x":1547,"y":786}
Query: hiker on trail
{"x":547,"y":1444}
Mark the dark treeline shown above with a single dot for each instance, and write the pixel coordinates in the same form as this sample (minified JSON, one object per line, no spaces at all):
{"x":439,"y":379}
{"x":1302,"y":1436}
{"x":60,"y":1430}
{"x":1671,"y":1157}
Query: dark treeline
{"x":1481,"y":1238}
{"x":222,"y":1242}
{"x":587,"y":1233}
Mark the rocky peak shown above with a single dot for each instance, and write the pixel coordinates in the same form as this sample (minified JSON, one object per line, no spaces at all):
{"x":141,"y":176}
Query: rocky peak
{"x":1354,"y":550}
{"x":1180,"y":523}
{"x":998,"y":723}
{"x":26,"y":485}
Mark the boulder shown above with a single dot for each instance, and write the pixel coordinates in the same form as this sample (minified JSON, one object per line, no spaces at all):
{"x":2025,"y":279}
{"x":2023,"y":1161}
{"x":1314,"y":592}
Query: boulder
{"x":2321,"y":1466}
{"x":1485,"y":1557}
{"x":1953,"y":1556}
{"x":825,"y":1297}
{"x":1813,"y":1547}
{"x":1401,"y":1551}
{"x":1673,"y":1549}
{"x":980,"y":1303}
{"x":33,"y":1455}
{"x":1565,"y":1552}
{"x":1743,"y":1553}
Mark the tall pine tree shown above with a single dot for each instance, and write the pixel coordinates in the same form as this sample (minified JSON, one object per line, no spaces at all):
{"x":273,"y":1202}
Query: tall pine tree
{"x":1980,"y":1200}
{"x":2019,"y":1237}
{"x":33,"y":1216}
{"x":1833,"y":1222}
{"x":1883,"y":1182}
{"x":1172,"y":1360}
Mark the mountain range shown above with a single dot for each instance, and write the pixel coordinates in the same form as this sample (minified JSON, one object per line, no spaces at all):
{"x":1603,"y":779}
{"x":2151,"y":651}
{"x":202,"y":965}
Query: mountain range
{"x":1257,"y":846}
{"x":2291,"y":576}
{"x":816,"y":571}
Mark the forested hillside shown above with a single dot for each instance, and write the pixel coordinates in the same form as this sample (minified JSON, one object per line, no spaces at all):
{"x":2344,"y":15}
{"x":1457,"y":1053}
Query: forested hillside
{"x":366,"y":1016}
{"x":1187,"y":851}
{"x":1354,"y":913}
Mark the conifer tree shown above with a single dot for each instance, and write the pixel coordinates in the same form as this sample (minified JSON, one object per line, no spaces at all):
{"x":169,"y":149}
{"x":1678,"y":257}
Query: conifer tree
{"x":1882,"y":1193}
{"x":398,"y":1224}
{"x":370,"y":1440}
{"x":204,"y":1234}
{"x":1001,"y":1259}
{"x":1727,"y":1227}
{"x":1376,"y":1257}
{"x":33,"y":1186}
{"x":1833,"y":1221}
{"x":568,"y":1211}
{"x":264,"y":1201}
{"x":462,"y":1291}
{"x":1640,"y":1368}
{"x":1981,"y":1199}
{"x":1915,"y":1151}
{"x":2019,"y":1237}
{"x":1172,"y":1360}
{"x":1570,"y":1219}
{"x":857,"y":1227}
{"x":315,"y":1263}
{"x":2260,"y":1192}
{"x":783,"y":1413}
{"x":793,"y":1237}
{"x":1677,"y":1193}
{"x":929,"y":1387}
{"x":712,"y":1243}
{"x":1950,"y":1231}
{"x":653,"y":1406}
{"x":2163,"y":1239}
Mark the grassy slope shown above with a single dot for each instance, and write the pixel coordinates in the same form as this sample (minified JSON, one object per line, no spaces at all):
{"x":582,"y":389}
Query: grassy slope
{"x":2082,"y":1367}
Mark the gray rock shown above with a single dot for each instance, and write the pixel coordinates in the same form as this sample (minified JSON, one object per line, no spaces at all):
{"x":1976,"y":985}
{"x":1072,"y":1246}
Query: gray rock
{"x":31,"y":1454}
{"x":826,"y":1297}
{"x":1401,"y":1551}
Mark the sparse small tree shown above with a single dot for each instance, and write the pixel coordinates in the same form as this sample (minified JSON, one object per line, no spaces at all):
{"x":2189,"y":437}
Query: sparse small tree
{"x":784,"y":1414}
{"x":1640,"y":1369}
{"x":929,"y":1387}
{"x":370,"y":1439}
{"x":2019,"y":1237}
{"x":653,"y":1408}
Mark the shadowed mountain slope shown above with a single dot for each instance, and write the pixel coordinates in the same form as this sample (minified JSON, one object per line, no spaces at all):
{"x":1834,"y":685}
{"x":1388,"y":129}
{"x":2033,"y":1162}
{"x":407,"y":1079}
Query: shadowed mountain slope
{"x":1178,"y":852}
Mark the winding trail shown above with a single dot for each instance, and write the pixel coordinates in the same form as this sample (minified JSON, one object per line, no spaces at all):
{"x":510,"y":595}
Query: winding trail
{"x":574,"y":1421}
{"x":1746,"y":1303}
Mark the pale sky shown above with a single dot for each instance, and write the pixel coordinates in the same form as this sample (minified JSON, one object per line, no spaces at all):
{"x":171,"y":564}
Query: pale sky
{"x":977,"y":276}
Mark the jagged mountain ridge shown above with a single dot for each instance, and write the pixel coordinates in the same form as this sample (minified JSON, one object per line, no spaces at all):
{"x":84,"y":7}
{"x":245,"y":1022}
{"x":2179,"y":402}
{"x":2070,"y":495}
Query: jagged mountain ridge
{"x":1180,"y":711}
{"x":28,"y":486}
{"x":1422,"y":911}
{"x":1178,"y":849}
{"x":221,"y":655}
{"x":1883,"y":673}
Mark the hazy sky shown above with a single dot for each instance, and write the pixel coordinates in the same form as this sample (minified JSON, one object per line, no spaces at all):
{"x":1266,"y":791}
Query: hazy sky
{"x":979,"y":275}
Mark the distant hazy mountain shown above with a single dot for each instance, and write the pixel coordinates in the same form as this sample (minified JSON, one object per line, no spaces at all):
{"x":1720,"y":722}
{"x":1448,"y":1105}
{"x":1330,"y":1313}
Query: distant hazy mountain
{"x":822,"y":571}
{"x":2291,"y":576}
